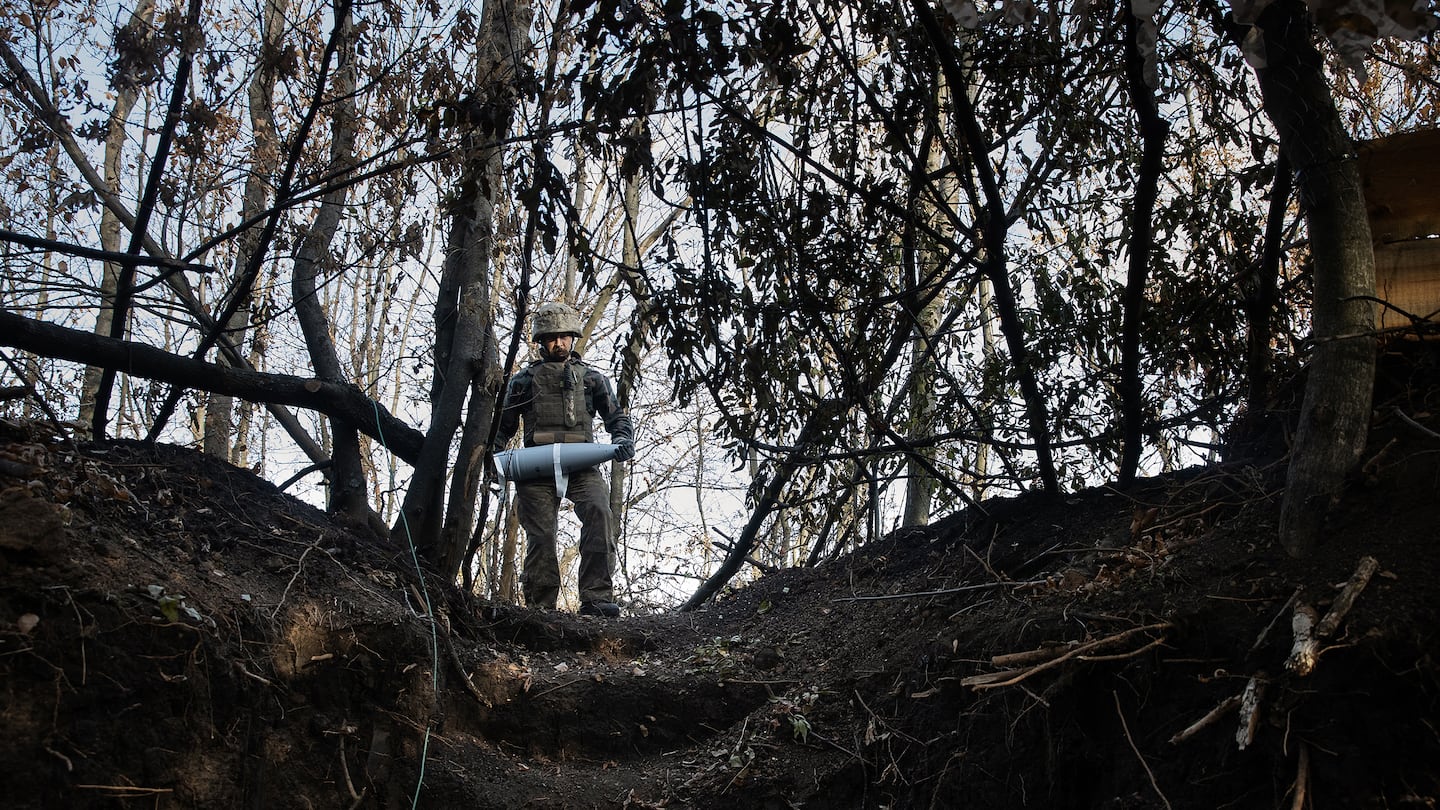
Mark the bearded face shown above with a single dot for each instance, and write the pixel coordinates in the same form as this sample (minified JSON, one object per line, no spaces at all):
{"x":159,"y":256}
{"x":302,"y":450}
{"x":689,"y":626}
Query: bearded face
{"x":556,"y":347}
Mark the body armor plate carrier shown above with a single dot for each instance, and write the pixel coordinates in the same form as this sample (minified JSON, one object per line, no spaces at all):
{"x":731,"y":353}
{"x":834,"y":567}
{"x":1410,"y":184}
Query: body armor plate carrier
{"x":559,"y":413}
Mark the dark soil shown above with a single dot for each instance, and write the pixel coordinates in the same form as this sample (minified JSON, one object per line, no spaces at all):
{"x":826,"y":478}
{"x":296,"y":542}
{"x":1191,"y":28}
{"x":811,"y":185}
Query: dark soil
{"x":175,"y":632}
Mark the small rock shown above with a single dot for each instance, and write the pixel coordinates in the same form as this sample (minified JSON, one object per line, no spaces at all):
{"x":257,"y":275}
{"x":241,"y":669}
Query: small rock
{"x":767,"y":658}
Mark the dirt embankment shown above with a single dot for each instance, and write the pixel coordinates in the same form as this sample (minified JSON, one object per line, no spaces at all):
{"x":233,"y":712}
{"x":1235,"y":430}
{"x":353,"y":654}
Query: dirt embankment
{"x":174,"y":632}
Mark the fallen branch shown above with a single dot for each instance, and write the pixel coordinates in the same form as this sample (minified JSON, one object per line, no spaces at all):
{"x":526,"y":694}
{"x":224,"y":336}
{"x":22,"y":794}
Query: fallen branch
{"x":1035,"y":656}
{"x":1250,"y":711}
{"x":127,"y":791}
{"x":1364,"y":570}
{"x":1306,"y":649}
{"x":941,"y":592}
{"x":1260,"y":639}
{"x":1011,"y":677}
{"x":1310,"y":630}
{"x":239,"y":665}
{"x":1226,"y":706}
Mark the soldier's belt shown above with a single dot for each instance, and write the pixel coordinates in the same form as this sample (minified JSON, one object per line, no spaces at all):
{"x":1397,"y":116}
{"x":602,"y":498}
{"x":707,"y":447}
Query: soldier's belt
{"x":560,"y":437}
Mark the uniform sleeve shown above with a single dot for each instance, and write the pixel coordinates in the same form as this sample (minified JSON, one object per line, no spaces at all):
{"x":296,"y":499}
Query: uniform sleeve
{"x":517,"y":399}
{"x":607,"y":407}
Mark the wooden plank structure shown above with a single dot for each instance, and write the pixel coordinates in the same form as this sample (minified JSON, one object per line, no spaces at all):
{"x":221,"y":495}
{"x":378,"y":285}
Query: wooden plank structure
{"x":1401,"y":180}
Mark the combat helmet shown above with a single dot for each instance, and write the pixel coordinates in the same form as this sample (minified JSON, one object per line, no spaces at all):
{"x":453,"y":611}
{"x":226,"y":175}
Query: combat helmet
{"x":554,"y":318}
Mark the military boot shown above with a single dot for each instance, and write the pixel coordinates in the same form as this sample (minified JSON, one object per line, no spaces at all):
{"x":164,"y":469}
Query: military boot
{"x":599,"y":607}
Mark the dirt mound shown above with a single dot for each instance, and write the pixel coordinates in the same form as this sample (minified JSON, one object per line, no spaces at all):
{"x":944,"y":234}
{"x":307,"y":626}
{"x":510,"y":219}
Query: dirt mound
{"x":178,"y":633}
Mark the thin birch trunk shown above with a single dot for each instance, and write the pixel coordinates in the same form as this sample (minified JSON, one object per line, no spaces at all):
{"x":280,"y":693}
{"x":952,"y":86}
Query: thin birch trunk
{"x":110,"y":227}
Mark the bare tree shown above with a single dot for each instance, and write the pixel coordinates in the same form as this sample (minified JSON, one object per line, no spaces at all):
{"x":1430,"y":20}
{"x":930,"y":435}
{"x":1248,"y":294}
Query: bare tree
{"x":265,"y":153}
{"x":1335,"y":416}
{"x":465,"y":346}
{"x":116,"y":130}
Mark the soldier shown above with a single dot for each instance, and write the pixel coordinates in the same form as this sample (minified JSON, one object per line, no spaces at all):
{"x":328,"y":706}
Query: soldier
{"x":558,"y":396}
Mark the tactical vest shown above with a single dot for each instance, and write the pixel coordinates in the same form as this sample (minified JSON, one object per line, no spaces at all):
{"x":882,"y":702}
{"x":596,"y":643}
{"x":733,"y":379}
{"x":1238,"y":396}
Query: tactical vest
{"x":557,"y":412}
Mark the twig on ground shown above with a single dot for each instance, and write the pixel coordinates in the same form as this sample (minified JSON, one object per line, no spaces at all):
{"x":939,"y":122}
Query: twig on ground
{"x":838,"y":747}
{"x":1030,"y":693}
{"x":1138,"y":651}
{"x":1125,"y":725}
{"x":422,"y":609}
{"x":1310,"y":629}
{"x":1226,"y":706}
{"x":127,"y":791}
{"x":240,"y":665}
{"x":735,"y":753}
{"x":1250,"y":711}
{"x":1011,"y":677}
{"x":557,"y":687}
{"x":1260,"y":639}
{"x":942,"y":592}
{"x":1364,"y":570}
{"x":878,"y":719}
{"x":69,"y":766}
{"x":1176,"y":520}
{"x":984,"y":563}
{"x":1306,"y":649}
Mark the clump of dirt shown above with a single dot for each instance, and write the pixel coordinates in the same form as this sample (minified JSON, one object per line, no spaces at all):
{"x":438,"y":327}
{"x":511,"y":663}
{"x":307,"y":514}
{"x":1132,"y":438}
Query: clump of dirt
{"x":175,"y":632}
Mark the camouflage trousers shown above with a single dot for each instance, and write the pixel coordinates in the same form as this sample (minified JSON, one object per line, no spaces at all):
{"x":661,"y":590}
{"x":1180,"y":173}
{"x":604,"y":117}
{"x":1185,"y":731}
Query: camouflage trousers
{"x":538,"y":507}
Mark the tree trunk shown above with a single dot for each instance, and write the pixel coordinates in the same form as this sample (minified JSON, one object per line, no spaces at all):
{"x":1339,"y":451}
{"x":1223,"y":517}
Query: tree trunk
{"x":507,"y":586}
{"x":780,"y":476}
{"x":264,"y":157}
{"x":931,"y":257}
{"x":348,"y":490}
{"x":124,"y":284}
{"x":994,"y":228}
{"x":115,"y":137}
{"x":469,"y":471}
{"x":919,"y":484}
{"x":630,"y":367}
{"x":342,"y":401}
{"x":1261,"y":295}
{"x":463,"y":310}
{"x":1153,"y":132}
{"x":1335,"y":414}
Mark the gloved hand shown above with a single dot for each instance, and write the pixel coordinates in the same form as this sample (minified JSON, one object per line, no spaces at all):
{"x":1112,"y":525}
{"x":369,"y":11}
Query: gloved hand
{"x":626,"y":451}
